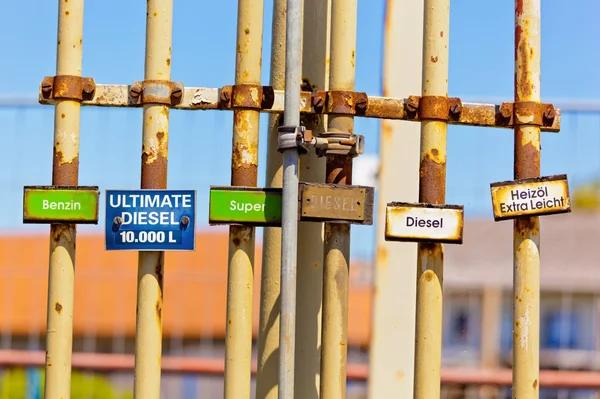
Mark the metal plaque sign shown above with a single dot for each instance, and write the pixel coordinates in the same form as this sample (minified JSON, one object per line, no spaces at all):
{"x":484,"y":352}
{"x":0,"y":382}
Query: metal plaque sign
{"x":60,"y":204}
{"x":150,"y":220}
{"x":253,"y":206}
{"x":245,"y":206}
{"x":336,"y":203}
{"x":424,"y":223}
{"x":530,"y":197}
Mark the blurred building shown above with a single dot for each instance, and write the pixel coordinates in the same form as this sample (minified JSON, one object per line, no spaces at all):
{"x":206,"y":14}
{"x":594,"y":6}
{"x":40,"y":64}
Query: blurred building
{"x":477,"y":307}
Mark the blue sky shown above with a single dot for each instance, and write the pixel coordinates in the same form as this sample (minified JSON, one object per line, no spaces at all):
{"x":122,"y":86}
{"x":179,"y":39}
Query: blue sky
{"x":481,"y":66}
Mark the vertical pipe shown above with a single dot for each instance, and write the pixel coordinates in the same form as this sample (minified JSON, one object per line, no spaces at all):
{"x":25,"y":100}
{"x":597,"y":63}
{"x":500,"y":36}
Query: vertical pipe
{"x":315,"y":76}
{"x":336,"y":265}
{"x":391,"y":352}
{"x":432,"y":190}
{"x":289,"y":222}
{"x":155,"y":139}
{"x":65,"y":172}
{"x":526,"y":239}
{"x":244,"y":165}
{"x":268,"y":325}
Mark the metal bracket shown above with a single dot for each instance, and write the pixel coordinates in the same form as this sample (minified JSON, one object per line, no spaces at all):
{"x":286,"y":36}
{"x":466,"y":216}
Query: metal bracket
{"x":246,"y":96}
{"x":433,"y":108}
{"x":291,"y":137}
{"x":156,"y":92}
{"x":340,"y":102}
{"x":528,"y":113}
{"x":332,"y":143}
{"x":67,"y":87}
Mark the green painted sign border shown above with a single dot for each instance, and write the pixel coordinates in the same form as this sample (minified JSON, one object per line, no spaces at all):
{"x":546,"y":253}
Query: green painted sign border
{"x":218,"y":218}
{"x":35,"y":220}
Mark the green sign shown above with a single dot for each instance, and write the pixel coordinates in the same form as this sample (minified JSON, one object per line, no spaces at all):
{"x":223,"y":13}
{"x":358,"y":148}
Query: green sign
{"x":60,"y":204}
{"x":245,"y":206}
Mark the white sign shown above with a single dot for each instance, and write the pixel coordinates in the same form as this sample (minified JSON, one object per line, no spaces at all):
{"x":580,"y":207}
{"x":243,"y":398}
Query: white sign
{"x":530,"y":197}
{"x":424,"y":223}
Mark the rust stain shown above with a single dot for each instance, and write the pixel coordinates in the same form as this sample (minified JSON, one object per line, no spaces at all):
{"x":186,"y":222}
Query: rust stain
{"x":519,"y":7}
{"x":432,"y":181}
{"x":527,"y":157}
{"x":535,"y":384}
{"x":64,"y":173}
{"x":58,"y":308}
{"x":527,"y":226}
{"x":434,"y":59}
{"x":154,"y":173}
{"x":441,"y":33}
{"x":58,"y":231}
{"x":158,"y":310}
{"x":67,"y":13}
{"x":240,"y":234}
{"x":428,"y":275}
{"x":339,"y":170}
{"x":63,"y":116}
{"x":158,"y":270}
{"x":168,"y":62}
{"x":247,"y":31}
{"x":382,"y":255}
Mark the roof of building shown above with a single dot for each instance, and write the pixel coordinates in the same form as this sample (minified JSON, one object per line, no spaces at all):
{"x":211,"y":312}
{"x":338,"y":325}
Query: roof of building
{"x":570,"y":253}
{"x":195,"y":289}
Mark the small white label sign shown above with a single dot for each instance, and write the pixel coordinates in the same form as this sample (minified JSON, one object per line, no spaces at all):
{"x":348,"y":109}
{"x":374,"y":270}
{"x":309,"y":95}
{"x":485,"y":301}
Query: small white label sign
{"x":424,"y":223}
{"x":530,"y":197}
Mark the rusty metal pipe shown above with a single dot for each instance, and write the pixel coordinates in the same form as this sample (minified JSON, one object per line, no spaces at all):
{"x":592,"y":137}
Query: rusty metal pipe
{"x":336,"y":264}
{"x":526,"y":239}
{"x":65,"y":172}
{"x":268,"y":325}
{"x":155,"y":139}
{"x":432,"y":190}
{"x":244,"y":166}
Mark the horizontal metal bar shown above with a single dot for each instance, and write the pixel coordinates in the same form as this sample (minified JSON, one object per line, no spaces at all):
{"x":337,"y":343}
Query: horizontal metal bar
{"x":200,"y":98}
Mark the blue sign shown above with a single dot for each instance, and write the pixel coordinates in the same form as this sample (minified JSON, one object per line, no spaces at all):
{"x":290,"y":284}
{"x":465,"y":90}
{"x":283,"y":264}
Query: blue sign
{"x":150,"y":220}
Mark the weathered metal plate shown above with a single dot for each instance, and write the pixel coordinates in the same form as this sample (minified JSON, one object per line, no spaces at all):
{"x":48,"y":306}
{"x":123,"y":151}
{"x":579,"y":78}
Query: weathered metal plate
{"x":245,"y":206}
{"x":336,"y":203}
{"x":424,"y":223}
{"x":150,"y":220}
{"x":530,"y":197}
{"x":60,"y":204}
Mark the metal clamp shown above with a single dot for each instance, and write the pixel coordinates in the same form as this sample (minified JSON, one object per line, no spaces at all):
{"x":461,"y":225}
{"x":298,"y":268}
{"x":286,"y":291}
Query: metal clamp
{"x":156,"y":92}
{"x":67,"y":87}
{"x":438,"y":108}
{"x":340,"y":102}
{"x":528,"y":113}
{"x":246,"y":96}
{"x":332,"y":143}
{"x":291,"y":137}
